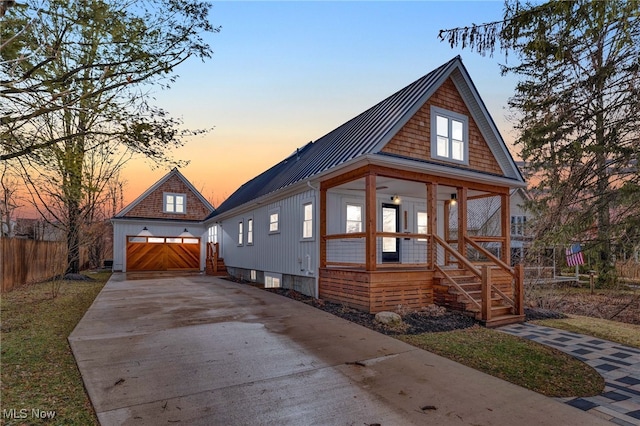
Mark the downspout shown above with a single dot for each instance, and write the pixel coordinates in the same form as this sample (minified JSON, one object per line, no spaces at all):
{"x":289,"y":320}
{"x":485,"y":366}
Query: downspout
{"x":316,"y":230}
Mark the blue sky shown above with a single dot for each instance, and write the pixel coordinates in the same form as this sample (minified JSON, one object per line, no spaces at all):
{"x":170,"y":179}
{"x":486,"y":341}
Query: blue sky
{"x":286,"y":73}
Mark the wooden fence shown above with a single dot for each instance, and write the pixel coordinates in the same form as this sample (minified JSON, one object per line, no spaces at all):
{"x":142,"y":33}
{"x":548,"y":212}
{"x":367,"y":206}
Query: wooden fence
{"x":629,"y":270}
{"x":28,"y":261}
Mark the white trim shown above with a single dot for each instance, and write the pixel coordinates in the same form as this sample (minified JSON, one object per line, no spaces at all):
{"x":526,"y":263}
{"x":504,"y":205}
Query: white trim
{"x":176,"y":196}
{"x":450,"y":116}
{"x":308,"y":202}
{"x":274,"y":211}
{"x":250,"y":231}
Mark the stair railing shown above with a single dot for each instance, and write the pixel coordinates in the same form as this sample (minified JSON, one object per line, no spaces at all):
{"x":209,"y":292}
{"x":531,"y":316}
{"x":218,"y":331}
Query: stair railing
{"x":516,"y":276}
{"x":212,"y":254}
{"x":485,"y":276}
{"x":463,"y":261}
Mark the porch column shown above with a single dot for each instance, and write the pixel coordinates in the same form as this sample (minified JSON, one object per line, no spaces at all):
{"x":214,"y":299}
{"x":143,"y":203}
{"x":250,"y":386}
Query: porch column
{"x":323,"y":227}
{"x":462,"y":220}
{"x":432,"y":222}
{"x":505,"y":221}
{"x":370,"y":225}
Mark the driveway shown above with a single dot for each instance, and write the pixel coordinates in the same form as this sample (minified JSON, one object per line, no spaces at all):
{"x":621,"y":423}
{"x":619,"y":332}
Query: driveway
{"x":200,"y":350}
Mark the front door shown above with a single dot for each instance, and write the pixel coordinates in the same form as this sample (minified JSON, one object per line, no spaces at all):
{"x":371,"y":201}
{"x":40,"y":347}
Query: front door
{"x":390,"y":223}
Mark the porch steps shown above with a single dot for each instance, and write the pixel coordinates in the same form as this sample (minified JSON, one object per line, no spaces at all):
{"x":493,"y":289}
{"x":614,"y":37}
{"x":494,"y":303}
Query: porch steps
{"x":219,"y":271}
{"x":446,"y":294}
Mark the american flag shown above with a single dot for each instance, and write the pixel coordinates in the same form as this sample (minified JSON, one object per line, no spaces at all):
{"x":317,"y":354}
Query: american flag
{"x":574,"y":255}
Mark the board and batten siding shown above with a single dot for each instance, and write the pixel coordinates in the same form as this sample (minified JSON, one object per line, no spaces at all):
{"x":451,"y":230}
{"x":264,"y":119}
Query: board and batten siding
{"x":284,"y":252}
{"x":123,"y":228}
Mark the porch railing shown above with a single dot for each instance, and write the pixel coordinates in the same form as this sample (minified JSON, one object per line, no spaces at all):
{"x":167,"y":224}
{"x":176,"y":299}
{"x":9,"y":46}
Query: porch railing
{"x":349,"y":249}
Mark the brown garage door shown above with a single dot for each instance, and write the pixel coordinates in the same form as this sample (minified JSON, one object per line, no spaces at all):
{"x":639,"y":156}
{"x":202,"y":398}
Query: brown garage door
{"x":163,"y":253}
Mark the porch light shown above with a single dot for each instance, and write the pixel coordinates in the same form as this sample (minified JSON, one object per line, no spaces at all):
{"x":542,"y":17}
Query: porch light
{"x":454,"y":199}
{"x":186,"y":234}
{"x":396,"y":199}
{"x":145,"y":232}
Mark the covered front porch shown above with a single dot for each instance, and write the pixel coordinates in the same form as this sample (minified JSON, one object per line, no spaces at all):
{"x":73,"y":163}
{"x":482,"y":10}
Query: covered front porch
{"x":391,"y":237}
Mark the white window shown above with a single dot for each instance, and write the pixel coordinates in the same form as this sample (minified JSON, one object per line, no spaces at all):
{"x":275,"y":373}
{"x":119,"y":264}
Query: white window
{"x":354,"y":218}
{"x":175,"y":203}
{"x":449,"y":136}
{"x":307,"y":220}
{"x":212,"y":234}
{"x":240,"y":232}
{"x":272,"y":280}
{"x":421,"y":224}
{"x":518,"y":224}
{"x":249,"y":231}
{"x":274,"y":221}
{"x":253,"y":275}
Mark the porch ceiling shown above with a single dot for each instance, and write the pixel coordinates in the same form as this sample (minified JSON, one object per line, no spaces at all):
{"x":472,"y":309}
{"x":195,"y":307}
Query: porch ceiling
{"x":403,"y":188}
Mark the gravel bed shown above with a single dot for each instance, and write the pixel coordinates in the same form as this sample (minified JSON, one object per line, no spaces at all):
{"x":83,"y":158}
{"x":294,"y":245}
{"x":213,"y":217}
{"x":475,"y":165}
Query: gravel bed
{"x":427,"y":320}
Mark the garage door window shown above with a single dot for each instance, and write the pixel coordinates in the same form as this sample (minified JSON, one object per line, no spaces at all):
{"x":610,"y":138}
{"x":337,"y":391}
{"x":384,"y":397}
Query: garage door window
{"x":161,"y":240}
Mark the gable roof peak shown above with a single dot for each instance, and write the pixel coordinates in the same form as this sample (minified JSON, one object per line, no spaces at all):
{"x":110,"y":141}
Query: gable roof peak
{"x":160,"y":182}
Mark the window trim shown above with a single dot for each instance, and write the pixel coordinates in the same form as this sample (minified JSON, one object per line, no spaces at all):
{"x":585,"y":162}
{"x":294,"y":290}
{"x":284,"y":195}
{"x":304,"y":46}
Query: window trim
{"x":311,"y":221}
{"x":426,"y":225}
{"x":240,"y":240}
{"x":518,"y":229}
{"x":271,"y":276}
{"x":250,"y":232}
{"x":348,"y":203}
{"x":449,"y":115}
{"x":273,"y":211}
{"x":175,"y":195}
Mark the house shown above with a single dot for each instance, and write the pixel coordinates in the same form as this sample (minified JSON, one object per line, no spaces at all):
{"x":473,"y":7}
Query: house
{"x":361,"y":215}
{"x":162,"y":229}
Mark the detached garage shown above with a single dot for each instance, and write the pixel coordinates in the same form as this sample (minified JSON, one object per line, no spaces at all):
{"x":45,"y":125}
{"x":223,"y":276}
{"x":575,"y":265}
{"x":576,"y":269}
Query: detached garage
{"x":162,"y":229}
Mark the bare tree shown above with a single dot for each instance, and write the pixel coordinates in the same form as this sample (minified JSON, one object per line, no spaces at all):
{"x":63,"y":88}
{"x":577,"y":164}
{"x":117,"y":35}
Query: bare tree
{"x":75,"y":80}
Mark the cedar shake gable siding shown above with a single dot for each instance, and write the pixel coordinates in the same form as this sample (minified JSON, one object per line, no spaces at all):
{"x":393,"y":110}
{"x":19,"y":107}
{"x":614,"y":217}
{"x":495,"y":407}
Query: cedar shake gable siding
{"x":414,"y":139}
{"x":152,"y":205}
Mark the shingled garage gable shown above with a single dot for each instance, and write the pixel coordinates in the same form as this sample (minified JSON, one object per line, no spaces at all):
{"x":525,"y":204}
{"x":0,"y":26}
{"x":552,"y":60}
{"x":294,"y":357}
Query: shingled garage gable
{"x":161,"y":230}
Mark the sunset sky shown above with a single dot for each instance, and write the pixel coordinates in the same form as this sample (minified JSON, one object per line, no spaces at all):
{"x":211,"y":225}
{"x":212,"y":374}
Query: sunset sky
{"x":286,"y":73}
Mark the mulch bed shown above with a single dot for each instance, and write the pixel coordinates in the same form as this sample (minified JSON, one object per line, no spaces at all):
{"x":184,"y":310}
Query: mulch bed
{"x":427,"y":320}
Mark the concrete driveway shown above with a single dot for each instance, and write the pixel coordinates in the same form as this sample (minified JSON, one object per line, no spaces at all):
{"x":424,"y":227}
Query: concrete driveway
{"x":204,"y":351}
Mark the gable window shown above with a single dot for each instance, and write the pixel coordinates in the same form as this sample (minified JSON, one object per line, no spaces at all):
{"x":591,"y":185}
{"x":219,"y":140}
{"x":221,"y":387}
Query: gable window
{"x":518,"y":224}
{"x":174,"y":203}
{"x":274,"y":221}
{"x":240,"y":233}
{"x":449,"y":136}
{"x":249,"y":231}
{"x":354,"y":218}
{"x":421,"y":224}
{"x":307,"y":220}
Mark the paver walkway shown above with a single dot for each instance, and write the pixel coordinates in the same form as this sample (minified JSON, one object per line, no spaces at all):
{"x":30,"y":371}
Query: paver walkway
{"x":618,"y":364}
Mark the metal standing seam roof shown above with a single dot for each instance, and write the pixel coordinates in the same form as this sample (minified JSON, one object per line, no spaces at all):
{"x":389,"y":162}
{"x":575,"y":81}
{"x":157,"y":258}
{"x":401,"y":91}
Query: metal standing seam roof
{"x":356,"y":137}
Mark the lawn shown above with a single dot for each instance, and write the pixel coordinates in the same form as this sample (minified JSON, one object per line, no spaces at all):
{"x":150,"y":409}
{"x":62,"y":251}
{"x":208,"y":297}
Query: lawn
{"x":39,"y":373}
{"x":522,"y":362}
{"x":625,"y":334}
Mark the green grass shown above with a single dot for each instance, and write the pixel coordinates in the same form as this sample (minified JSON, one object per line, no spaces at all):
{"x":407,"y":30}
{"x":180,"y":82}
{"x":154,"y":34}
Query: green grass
{"x":38,"y":368}
{"x":522,"y":362}
{"x":625,"y":334}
